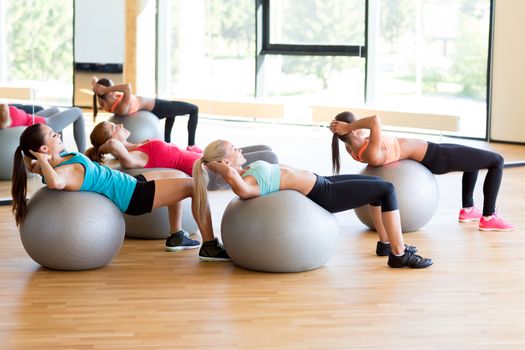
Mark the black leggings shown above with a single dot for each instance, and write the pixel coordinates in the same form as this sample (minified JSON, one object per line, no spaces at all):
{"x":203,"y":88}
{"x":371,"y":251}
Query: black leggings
{"x":444,"y":158}
{"x":343,"y":192}
{"x":171,"y":109}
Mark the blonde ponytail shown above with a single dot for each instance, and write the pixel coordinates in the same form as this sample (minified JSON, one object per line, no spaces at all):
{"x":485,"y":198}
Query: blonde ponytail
{"x":200,"y":185}
{"x":215,"y":151}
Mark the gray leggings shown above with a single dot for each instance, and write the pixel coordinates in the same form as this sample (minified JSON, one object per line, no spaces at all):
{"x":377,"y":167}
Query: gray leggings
{"x":252,"y":154}
{"x":57,"y":121}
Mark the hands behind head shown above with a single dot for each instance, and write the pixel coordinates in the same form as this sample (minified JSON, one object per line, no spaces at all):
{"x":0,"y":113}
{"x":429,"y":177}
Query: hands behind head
{"x":109,"y":146}
{"x":339,"y":128}
{"x":32,"y":165}
{"x":219,"y":166}
{"x":41,"y":157}
{"x":99,"y":89}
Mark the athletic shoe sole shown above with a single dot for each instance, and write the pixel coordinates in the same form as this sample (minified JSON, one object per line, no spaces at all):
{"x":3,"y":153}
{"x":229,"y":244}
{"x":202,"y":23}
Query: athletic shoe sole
{"x":201,"y":258}
{"x":468,"y":220}
{"x":497,"y":229}
{"x":176,"y":249}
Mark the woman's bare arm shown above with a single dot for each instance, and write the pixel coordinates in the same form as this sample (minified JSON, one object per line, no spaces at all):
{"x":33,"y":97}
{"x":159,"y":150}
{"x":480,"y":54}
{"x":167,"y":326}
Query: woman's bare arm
{"x":373,"y":154}
{"x":240,"y":187}
{"x":118,"y":150}
{"x":123,"y":106}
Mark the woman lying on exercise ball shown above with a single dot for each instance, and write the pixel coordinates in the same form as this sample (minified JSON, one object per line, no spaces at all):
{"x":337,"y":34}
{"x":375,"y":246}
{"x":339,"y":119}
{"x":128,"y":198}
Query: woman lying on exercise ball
{"x":378,"y":149}
{"x":335,"y":193}
{"x":12,"y":116}
{"x":118,"y":99}
{"x":112,"y":138}
{"x":41,"y":151}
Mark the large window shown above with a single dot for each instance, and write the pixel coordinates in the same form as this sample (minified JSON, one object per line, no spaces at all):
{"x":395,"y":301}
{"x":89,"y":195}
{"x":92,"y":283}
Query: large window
{"x":36,"y":48}
{"x":431,"y":56}
{"x":313,"y":52}
{"x":423,"y":56}
{"x":209,"y":50}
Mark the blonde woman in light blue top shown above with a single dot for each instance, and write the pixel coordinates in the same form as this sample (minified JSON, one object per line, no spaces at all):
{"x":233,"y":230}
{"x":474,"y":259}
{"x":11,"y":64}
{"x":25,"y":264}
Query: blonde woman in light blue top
{"x":335,"y":193}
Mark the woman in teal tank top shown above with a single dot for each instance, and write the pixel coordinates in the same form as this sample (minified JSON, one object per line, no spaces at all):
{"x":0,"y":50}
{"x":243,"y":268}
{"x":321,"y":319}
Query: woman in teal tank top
{"x":334,"y":193}
{"x":40,"y":151}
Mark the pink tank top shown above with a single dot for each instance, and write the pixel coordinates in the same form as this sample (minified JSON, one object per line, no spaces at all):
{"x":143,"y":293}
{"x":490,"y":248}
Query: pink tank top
{"x":389,"y":144}
{"x":20,"y":118}
{"x":166,"y":155}
{"x":134,"y":104}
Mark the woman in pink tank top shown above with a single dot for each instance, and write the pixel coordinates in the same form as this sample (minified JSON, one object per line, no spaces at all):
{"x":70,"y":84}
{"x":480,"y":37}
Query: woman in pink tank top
{"x":112,"y":138}
{"x":378,"y":149}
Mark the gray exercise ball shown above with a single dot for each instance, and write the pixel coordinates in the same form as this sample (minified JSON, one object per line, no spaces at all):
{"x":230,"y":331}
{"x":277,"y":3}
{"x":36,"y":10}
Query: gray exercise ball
{"x":282,"y":232}
{"x":142,"y":125}
{"x":416,"y":189}
{"x":156,"y":225}
{"x":9,"y":140}
{"x":66,"y":230}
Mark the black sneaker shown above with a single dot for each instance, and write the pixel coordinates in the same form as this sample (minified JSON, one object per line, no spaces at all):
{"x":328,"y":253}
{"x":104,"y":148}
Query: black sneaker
{"x":383,"y":249}
{"x":179,"y":241}
{"x":408,"y":259}
{"x":213,"y":251}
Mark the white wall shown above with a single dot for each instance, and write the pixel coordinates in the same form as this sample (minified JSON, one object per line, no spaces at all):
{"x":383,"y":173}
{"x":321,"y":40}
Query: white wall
{"x":99,"y":31}
{"x":146,"y":37}
{"x":3,"y":41}
{"x":508,"y":76}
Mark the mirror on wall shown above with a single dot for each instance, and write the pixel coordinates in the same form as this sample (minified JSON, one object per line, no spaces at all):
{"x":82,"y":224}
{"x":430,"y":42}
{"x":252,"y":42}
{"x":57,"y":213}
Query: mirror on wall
{"x":36,"y":71}
{"x":99,"y":45}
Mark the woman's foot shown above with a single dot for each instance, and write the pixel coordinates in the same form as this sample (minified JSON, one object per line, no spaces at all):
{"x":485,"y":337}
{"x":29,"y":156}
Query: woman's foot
{"x":469,"y":214}
{"x":409,"y":260}
{"x":383,"y":249}
{"x":494,"y":223}
{"x":194,"y":149}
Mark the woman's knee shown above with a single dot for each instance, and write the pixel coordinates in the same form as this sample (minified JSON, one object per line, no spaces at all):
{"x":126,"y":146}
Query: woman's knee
{"x":499,"y":161}
{"x":389,"y":200}
{"x":77,"y":110}
{"x":194,"y":109}
{"x":376,"y":178}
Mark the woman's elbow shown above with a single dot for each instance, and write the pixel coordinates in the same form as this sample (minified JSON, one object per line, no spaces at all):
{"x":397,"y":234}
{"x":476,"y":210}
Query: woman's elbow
{"x":244,"y":194}
{"x":56,"y":185}
{"x":126,"y":164}
{"x":376,"y":120}
{"x":375,"y":161}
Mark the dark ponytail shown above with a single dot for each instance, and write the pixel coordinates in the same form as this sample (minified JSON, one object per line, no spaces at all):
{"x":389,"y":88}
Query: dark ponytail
{"x":95,"y":155}
{"x":336,"y":159}
{"x":105,"y":82}
{"x":347,"y":117}
{"x":95,"y":107}
{"x":31,"y":139}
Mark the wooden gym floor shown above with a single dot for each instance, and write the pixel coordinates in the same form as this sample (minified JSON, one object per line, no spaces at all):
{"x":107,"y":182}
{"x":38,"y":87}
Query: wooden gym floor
{"x":472,"y":298}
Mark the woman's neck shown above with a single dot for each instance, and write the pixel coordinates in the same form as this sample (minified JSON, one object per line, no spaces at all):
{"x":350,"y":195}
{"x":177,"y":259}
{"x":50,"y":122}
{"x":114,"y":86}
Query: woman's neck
{"x":56,"y":159}
{"x":131,"y":145}
{"x":239,"y":169}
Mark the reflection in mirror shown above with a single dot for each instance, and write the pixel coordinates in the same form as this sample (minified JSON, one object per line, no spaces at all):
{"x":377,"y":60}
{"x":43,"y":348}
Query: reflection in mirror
{"x":36,"y":56}
{"x":99,"y":49}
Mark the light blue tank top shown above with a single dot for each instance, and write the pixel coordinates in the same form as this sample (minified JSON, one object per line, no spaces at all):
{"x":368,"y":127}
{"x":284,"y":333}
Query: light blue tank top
{"x":115,"y":185}
{"x":268,"y":176}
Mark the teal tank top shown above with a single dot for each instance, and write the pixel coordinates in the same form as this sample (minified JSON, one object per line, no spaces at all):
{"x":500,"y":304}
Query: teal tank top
{"x":115,"y":185}
{"x":268,"y":176}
